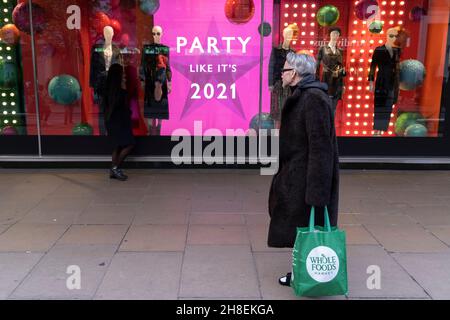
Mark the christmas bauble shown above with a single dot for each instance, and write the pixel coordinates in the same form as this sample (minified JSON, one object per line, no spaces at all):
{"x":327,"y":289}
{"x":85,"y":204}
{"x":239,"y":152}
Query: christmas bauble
{"x":9,"y":131}
{"x":9,"y":34}
{"x":366,"y":9}
{"x":412,"y":74}
{"x":239,"y":11}
{"x":64,"y":89}
{"x":405,"y":120}
{"x":328,"y":16}
{"x":149,"y":7}
{"x":101,"y":20}
{"x":267,"y":122}
{"x":376,"y":27}
{"x":416,"y":130}
{"x":82,"y":129}
{"x":21,"y":17}
{"x":265,"y":29}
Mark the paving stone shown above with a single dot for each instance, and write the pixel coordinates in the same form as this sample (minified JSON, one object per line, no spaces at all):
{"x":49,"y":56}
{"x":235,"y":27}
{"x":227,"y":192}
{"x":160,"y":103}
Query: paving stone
{"x":4,"y":227}
{"x":13,"y":269}
{"x":391,"y":219}
{"x":430,"y":215}
{"x":257,"y":219}
{"x":108,"y":214}
{"x":219,"y":206}
{"x":441,"y":232}
{"x":167,"y":204}
{"x":142,"y":276}
{"x":155,"y":238}
{"x":216,"y":219}
{"x":56,"y":210}
{"x":347,"y":218}
{"x":49,"y":278}
{"x":147,"y":215}
{"x":218,"y":271}
{"x":119,"y":197}
{"x":217,"y":235}
{"x":358,"y":235}
{"x":430,"y":271}
{"x":395,"y":282}
{"x":258,"y":237}
{"x":94,"y":235}
{"x":406,"y":239}
{"x":30,"y":237}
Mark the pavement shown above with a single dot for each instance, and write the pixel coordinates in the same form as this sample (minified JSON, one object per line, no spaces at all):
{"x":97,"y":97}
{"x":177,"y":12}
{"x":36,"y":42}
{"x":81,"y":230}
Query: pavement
{"x":201,"y":234}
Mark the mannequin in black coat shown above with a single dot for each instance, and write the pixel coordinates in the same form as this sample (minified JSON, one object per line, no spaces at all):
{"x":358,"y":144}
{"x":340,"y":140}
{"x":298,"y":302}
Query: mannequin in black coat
{"x":386,"y":59}
{"x":102,"y":57}
{"x":308,"y":165}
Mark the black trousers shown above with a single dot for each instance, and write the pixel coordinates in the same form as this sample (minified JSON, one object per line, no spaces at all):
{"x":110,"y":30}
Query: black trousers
{"x":383,"y":110}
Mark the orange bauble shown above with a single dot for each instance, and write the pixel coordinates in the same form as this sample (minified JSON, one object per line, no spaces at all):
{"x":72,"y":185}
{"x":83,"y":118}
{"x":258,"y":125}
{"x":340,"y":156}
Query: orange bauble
{"x":9,"y":34}
{"x":239,"y":11}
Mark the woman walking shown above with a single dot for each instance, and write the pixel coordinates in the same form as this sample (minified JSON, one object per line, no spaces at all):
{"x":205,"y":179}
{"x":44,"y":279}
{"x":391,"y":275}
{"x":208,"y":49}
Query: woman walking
{"x":118,"y":120}
{"x":308,"y":172}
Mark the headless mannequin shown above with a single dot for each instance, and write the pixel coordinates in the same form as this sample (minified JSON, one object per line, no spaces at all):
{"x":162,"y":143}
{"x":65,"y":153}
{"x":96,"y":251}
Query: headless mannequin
{"x":277,"y":60}
{"x":157,"y":33}
{"x":390,"y":45}
{"x":331,"y":58}
{"x":108,"y":33}
{"x":288,"y":35}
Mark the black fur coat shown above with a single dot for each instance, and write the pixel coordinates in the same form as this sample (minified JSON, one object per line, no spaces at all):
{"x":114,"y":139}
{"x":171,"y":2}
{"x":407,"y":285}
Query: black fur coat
{"x":308,"y":172}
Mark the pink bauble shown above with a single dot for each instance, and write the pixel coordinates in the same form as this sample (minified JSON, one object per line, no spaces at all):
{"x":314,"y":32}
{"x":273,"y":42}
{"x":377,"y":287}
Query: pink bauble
{"x":366,"y":9}
{"x":21,"y":17}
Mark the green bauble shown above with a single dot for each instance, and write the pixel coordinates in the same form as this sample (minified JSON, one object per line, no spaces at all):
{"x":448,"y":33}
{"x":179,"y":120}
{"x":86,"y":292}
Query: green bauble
{"x":64,"y":89}
{"x":405,"y":120}
{"x":267,"y":122}
{"x":328,"y":15}
{"x":376,"y":27}
{"x":416,"y":130}
{"x":8,"y":75}
{"x":82,"y":129}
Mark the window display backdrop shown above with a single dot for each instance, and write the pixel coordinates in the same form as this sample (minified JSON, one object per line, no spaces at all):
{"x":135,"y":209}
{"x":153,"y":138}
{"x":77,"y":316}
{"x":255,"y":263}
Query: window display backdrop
{"x":213,"y":65}
{"x":423,"y":28}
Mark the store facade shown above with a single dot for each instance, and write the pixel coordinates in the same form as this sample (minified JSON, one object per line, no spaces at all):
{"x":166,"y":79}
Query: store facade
{"x":386,"y":63}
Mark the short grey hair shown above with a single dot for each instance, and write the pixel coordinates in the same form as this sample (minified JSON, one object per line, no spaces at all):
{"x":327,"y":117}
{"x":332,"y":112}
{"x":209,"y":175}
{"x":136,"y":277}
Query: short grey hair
{"x":304,"y":64}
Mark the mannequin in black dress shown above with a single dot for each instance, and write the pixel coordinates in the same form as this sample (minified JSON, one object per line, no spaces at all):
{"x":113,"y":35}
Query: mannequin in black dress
{"x":156,"y":72}
{"x":277,"y":60}
{"x":333,"y":71}
{"x":386,"y":59}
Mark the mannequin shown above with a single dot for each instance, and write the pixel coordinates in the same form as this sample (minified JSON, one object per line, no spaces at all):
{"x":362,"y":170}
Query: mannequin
{"x":277,"y":60}
{"x":156,"y":72}
{"x":387,"y":59}
{"x":102,"y":57}
{"x":333,"y":72}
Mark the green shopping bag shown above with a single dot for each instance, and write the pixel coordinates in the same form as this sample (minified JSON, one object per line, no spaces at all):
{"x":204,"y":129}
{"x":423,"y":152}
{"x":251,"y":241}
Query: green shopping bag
{"x":319,"y":260}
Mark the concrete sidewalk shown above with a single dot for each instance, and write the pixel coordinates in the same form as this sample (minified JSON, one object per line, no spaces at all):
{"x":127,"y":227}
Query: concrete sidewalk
{"x":188,"y":234}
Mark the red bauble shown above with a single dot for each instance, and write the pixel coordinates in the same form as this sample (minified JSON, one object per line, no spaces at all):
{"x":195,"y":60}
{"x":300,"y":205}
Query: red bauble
{"x":125,"y":40}
{"x":9,"y":34}
{"x":115,"y":4}
{"x":116,"y":26}
{"x":101,"y":20}
{"x":239,"y":11}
